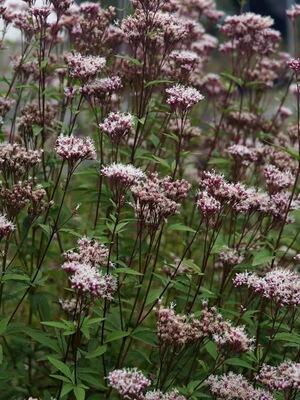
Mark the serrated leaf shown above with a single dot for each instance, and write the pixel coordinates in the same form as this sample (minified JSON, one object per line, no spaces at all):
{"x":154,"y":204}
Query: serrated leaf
{"x":79,"y":393}
{"x":1,"y":354}
{"x":46,"y":229}
{"x":211,"y":348}
{"x":264,"y":256}
{"x":43,"y":339}
{"x":132,"y":60}
{"x":63,"y":368}
{"x":157,"y":82}
{"x":3,"y":325}
{"x":61,"y":378}
{"x":97,"y":352}
{"x":15,"y":277}
{"x":239,"y":363}
{"x":116,"y":336}
{"x":66,"y":389}
{"x":127,"y":271}
{"x":180,"y":227}
{"x":59,"y":325}
{"x":288,"y":337}
{"x":232,"y":78}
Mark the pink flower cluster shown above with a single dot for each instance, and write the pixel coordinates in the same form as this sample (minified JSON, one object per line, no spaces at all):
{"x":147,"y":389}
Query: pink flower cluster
{"x":235,"y":387}
{"x":182,"y":330}
{"x":83,"y":265}
{"x":102,"y":88}
{"x":116,"y":126}
{"x":156,"y":199}
{"x":207,"y":205}
{"x":279,"y":285}
{"x":230,"y":257}
{"x":286,"y":375}
{"x":86,"y":279}
{"x":245,"y":155}
{"x":293,"y":12}
{"x":277,"y":180}
{"x":123,"y":175}
{"x":74,"y":149}
{"x":128,"y":382}
{"x":84,"y":67}
{"x":89,"y":252}
{"x":183,"y":97}
{"x":159,"y":395}
{"x":251,"y":33}
{"x":241,"y":198}
{"x":6,"y":226}
{"x":16,"y":160}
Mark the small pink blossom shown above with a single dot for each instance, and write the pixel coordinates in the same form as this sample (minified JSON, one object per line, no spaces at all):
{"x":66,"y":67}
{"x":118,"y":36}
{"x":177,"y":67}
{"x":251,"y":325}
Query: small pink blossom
{"x":74,"y":149}
{"x":6,"y":226}
{"x":183,"y":97}
{"x":128,"y":382}
{"x":116,"y":126}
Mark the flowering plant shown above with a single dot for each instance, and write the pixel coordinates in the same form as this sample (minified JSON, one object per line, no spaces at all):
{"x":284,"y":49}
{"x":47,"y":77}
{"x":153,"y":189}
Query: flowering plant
{"x":149,"y":203}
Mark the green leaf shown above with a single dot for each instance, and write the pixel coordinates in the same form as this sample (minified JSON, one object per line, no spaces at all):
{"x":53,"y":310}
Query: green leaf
{"x":3,"y":325}
{"x":61,"y":378}
{"x":158,"y":82}
{"x":232,"y":78}
{"x":15,"y":277}
{"x":127,"y":271}
{"x":63,"y":368}
{"x":1,"y":354}
{"x":59,"y":325}
{"x":97,"y":352}
{"x":161,"y":161}
{"x":67,"y":389}
{"x":79,"y":393}
{"x":116,"y":336}
{"x":132,"y":60}
{"x":264,"y":256}
{"x":238,"y":362}
{"x":180,"y":227}
{"x":211,"y":348}
{"x":46,"y":229}
{"x":42,"y":338}
{"x":288,"y":337}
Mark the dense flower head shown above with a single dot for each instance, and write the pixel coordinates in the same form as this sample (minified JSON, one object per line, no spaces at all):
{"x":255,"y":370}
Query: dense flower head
{"x":88,"y":280}
{"x":230,"y":257}
{"x":244,"y":154}
{"x":293,"y":12}
{"x":286,"y":375}
{"x":250,"y":33}
{"x":74,"y":149}
{"x":165,"y":28}
{"x":294,"y":64}
{"x":6,"y":226}
{"x":128,"y":382}
{"x":117,"y":125}
{"x":159,"y":395}
{"x":276,"y":179}
{"x":16,"y":160}
{"x":181,"y":330}
{"x":175,"y":329}
{"x":183,"y":97}
{"x":235,"y":387}
{"x":102,"y":88}
{"x":207,"y":204}
{"x":89,"y":252}
{"x":156,"y":199}
{"x":84,"y":67}
{"x":127,"y":175}
{"x":279,"y":285}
